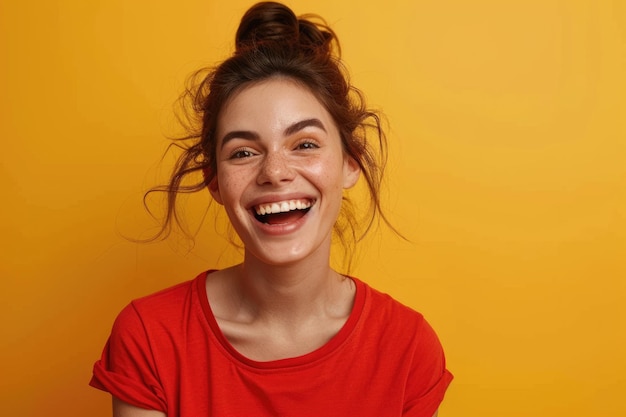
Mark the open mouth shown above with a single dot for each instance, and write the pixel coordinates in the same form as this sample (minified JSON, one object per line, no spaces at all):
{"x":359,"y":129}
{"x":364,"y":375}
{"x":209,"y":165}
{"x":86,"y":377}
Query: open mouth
{"x":282,"y":212}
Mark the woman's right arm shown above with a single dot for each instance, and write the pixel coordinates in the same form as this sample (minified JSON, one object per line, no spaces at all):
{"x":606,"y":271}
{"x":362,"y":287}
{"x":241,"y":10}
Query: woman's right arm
{"x":122,"y":409}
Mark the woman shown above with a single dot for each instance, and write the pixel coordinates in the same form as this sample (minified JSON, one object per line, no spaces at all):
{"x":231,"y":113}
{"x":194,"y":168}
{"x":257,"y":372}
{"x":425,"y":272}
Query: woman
{"x":282,"y":136}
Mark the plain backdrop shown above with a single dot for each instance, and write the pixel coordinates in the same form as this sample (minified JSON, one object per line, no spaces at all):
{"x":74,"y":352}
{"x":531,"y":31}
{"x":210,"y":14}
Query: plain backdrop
{"x":507,"y":173}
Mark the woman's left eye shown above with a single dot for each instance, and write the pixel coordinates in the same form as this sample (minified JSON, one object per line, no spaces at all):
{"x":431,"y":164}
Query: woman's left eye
{"x":307,"y":145}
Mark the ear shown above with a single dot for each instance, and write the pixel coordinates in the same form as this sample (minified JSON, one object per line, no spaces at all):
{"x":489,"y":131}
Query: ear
{"x":214,"y":189}
{"x":212,"y":185}
{"x":351,"y":172}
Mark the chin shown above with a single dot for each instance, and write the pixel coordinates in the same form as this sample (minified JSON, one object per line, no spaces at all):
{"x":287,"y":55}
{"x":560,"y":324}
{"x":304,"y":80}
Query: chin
{"x":283,"y":253}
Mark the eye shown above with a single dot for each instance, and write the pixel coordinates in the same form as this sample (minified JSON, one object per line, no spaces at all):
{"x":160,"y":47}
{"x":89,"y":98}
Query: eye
{"x":241,"y":153}
{"x":307,"y":145}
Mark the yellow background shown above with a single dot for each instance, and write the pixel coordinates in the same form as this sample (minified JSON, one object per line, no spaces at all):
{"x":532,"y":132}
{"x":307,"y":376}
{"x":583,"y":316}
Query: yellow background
{"x":508,"y":173}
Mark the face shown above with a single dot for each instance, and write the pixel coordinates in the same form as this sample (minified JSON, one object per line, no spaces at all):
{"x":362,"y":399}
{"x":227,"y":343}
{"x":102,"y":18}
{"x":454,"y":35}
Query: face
{"x":281,"y":171}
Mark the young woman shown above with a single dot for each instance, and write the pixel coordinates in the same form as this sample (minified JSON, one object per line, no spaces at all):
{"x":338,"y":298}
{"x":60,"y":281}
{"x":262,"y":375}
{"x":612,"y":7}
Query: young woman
{"x":282,"y":136}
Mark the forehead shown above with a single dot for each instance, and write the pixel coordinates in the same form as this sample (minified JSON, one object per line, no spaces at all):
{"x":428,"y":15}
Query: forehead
{"x":271,"y":104}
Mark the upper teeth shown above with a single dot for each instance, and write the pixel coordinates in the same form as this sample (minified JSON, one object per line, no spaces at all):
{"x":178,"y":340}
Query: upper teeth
{"x":282,"y":207}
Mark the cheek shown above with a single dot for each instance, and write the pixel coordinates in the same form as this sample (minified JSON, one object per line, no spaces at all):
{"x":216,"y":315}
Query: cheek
{"x":316,"y":168}
{"x":230,"y":185}
{"x":329,"y":169}
{"x":322,"y":175}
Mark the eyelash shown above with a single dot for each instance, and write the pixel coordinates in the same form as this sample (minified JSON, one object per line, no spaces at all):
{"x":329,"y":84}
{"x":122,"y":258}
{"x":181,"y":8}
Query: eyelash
{"x":307,"y":144}
{"x":241,"y":153}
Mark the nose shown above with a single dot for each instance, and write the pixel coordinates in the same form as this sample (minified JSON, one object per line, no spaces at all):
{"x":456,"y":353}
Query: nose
{"x":275,"y":169}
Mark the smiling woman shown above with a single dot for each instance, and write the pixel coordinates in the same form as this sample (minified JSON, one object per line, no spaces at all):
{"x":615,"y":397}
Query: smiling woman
{"x":282,"y":135}
{"x":279,"y":146}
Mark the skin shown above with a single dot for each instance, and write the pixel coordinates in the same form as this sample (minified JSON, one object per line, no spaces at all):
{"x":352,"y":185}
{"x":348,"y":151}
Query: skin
{"x":122,"y":409}
{"x":276,"y":142}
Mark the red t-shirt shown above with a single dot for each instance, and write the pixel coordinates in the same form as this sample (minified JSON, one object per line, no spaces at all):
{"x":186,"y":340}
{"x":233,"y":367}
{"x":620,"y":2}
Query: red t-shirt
{"x":167,"y":353}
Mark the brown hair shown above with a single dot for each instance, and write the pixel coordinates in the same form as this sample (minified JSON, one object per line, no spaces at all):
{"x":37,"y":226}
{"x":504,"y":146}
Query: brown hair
{"x":272,"y":41}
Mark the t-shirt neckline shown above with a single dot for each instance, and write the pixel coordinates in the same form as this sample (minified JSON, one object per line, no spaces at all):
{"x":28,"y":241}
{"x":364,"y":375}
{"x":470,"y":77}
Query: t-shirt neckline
{"x":309,"y":358}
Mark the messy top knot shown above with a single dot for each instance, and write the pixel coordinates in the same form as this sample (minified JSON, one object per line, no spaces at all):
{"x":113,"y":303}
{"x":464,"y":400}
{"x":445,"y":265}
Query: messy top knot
{"x":274,"y":23}
{"x":272,"y":42}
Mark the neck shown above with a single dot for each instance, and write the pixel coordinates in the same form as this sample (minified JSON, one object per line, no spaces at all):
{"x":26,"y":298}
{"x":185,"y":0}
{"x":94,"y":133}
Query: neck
{"x":291,"y":291}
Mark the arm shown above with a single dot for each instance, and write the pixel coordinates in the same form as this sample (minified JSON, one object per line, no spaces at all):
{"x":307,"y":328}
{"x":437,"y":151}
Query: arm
{"x":122,"y":409}
{"x":436,"y":413}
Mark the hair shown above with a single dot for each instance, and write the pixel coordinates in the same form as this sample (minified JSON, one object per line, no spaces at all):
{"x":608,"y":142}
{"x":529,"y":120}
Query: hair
{"x":272,"y":41}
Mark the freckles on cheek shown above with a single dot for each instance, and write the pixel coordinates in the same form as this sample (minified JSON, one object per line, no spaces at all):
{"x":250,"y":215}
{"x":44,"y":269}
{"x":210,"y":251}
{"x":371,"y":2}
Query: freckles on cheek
{"x":227,"y":177}
{"x":226,"y":185}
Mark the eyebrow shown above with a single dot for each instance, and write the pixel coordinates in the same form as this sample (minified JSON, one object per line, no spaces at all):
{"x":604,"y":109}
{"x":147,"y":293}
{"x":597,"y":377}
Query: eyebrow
{"x":290,"y":130}
{"x":241,"y":134}
{"x":301,"y":125}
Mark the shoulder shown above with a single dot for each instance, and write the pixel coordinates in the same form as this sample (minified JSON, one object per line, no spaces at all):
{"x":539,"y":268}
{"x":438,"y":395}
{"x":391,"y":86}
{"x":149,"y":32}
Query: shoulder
{"x":165,"y":307}
{"x":170,"y":295}
{"x":403,"y":333}
{"x":139,"y":359}
{"x":391,"y":320}
{"x":387,"y":309}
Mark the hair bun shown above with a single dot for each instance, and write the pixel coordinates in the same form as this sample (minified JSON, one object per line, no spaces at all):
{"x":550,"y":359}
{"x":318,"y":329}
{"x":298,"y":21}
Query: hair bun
{"x":266,"y":21}
{"x":274,"y":23}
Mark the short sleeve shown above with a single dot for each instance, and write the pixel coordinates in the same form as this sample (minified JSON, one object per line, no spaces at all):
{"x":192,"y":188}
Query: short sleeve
{"x":429,"y":377}
{"x":127,"y":369}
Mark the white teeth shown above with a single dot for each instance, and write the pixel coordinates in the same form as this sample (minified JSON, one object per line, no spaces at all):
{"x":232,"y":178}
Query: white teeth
{"x":282,"y":207}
